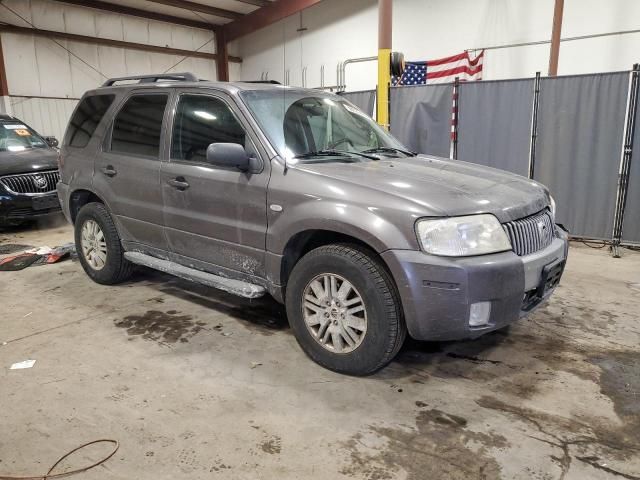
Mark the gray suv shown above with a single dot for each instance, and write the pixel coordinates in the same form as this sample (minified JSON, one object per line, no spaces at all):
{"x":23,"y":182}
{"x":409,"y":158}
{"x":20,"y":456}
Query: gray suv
{"x":256,"y":189}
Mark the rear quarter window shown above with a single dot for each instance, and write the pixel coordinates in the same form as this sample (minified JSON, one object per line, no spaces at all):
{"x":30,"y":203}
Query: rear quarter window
{"x":86,"y":118}
{"x":137,"y":127}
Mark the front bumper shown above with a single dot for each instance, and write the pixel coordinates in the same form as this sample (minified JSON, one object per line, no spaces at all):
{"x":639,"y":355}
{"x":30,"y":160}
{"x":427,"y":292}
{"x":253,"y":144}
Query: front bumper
{"x":437,"y":292}
{"x":18,"y":208}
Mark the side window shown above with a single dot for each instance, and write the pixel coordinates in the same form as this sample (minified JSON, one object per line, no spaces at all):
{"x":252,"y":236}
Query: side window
{"x":201,"y":120}
{"x":138,"y":126}
{"x":86,"y":118}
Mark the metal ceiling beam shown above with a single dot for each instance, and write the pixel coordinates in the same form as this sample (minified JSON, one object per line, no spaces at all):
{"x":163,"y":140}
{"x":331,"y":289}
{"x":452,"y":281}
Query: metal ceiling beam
{"x":199,"y":7}
{"x":110,"y":43}
{"x":135,"y":12}
{"x":257,"y":3}
{"x":265,"y":16}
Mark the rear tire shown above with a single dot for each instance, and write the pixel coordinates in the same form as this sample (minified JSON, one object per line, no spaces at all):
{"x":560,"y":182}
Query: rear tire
{"x":344,"y":309}
{"x":98,"y":246}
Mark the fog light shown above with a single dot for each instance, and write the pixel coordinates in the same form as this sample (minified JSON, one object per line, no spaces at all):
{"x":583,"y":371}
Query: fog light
{"x":479,"y":314}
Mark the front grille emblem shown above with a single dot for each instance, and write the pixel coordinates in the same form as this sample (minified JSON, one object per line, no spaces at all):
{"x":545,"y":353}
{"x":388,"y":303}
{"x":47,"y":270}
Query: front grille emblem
{"x":40,"y":182}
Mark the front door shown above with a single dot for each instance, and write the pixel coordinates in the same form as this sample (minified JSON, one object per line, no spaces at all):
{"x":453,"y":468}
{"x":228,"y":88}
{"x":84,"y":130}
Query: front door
{"x":127,"y":170}
{"x":213,"y":214}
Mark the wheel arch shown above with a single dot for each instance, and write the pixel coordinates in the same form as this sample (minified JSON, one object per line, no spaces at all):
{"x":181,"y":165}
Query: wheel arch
{"x":79,"y":198}
{"x":306,"y":240}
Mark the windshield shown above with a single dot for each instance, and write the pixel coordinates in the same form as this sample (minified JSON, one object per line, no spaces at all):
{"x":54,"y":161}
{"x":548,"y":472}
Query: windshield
{"x":315,"y":127}
{"x":16,"y":137}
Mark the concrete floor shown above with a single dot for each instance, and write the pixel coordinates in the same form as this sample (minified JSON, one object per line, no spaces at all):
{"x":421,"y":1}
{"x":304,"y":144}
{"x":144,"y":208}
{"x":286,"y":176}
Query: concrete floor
{"x":198,"y":384}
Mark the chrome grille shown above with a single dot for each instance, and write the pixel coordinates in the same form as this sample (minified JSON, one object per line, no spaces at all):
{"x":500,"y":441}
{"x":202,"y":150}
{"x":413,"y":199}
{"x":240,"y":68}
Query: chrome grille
{"x":32,"y":183}
{"x":530,"y":234}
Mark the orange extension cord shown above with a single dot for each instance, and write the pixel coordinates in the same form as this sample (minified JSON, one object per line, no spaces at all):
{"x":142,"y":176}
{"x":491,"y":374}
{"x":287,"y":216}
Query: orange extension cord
{"x":48,"y":475}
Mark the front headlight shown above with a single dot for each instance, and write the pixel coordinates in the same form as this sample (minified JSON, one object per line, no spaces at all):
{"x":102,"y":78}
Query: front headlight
{"x":552,"y":206}
{"x":462,"y":236}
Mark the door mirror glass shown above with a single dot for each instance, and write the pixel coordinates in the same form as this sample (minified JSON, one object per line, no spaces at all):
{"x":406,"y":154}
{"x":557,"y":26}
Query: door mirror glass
{"x":51,"y":141}
{"x":228,"y":155}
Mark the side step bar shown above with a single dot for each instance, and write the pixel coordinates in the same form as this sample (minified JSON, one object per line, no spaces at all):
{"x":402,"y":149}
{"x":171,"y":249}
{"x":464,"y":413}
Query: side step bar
{"x":236,"y":287}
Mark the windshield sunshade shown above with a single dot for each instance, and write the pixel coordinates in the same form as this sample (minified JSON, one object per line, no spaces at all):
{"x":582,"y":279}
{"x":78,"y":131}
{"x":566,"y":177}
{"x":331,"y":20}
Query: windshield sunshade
{"x":300,"y":125}
{"x":17,"y":137}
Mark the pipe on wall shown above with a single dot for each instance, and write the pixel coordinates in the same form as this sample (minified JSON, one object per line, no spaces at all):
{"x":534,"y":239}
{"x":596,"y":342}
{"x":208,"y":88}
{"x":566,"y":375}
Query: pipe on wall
{"x":342,"y":70}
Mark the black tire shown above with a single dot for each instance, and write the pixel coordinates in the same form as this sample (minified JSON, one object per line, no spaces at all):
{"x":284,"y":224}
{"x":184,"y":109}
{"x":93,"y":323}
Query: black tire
{"x":117,"y":269}
{"x":385,"y":331}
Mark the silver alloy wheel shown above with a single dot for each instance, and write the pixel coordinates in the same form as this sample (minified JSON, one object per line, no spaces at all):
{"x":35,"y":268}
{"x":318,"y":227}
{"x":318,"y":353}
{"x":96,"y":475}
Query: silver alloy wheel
{"x":334,"y":313}
{"x":94,"y":245}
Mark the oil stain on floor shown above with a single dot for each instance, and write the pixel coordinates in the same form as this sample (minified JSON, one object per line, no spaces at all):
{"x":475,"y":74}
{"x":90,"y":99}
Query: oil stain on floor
{"x":165,"y":327}
{"x":506,"y":371}
{"x":439,"y":446}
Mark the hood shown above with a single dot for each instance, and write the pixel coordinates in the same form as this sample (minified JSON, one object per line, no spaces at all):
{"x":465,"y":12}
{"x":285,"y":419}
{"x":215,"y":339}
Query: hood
{"x":31,"y":160}
{"x":442,"y":187}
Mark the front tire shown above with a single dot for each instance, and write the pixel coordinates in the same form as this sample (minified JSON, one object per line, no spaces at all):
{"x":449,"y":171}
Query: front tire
{"x":344,"y":309}
{"x":98,"y":246}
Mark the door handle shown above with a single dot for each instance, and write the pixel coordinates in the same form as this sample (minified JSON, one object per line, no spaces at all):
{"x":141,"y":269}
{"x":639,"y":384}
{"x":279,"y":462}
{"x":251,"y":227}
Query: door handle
{"x":178,"y":183}
{"x":109,"y":171}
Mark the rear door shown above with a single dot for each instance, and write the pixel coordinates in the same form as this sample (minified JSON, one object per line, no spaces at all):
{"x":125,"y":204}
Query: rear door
{"x":127,"y":170}
{"x":213,"y":214}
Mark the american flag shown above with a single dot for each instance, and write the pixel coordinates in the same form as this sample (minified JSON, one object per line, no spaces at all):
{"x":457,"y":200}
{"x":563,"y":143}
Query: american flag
{"x":442,"y":70}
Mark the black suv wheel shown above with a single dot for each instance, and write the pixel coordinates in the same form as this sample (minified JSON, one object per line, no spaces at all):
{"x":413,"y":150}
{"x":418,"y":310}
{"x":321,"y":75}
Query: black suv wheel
{"x":98,"y":246}
{"x":344,"y":309}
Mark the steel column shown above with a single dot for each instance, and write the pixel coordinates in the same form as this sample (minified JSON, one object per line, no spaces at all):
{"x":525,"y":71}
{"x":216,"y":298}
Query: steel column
{"x":625,"y":162}
{"x":4,"y":88}
{"x":222,"y":57}
{"x":5,"y":101}
{"x":534,"y":126}
{"x":555,"y":38}
{"x":455,"y":106}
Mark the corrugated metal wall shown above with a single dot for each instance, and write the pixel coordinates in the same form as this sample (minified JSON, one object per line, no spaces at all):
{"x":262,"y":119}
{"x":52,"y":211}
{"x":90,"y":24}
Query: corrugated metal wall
{"x":37,"y":66}
{"x":47,"y":116}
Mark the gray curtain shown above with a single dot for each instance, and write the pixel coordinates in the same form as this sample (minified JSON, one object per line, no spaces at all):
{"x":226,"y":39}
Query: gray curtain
{"x":494,"y":124}
{"x":631,"y":223}
{"x":421,"y":118}
{"x":580,"y":130}
{"x":364,"y":100}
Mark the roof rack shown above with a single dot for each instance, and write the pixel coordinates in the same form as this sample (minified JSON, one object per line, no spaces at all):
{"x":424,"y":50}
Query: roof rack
{"x":176,"y":77}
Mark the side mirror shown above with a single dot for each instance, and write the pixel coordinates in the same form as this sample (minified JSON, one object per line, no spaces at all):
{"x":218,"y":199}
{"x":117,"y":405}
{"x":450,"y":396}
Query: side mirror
{"x":51,"y":141}
{"x":228,"y":155}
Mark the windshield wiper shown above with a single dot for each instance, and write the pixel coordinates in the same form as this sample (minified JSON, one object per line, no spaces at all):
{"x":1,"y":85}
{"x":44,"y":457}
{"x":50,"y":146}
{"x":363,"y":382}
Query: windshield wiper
{"x":390,"y":150}
{"x":334,"y":153}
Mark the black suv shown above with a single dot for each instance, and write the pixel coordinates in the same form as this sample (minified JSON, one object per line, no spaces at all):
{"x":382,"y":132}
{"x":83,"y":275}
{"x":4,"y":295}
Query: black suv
{"x":28,"y":172}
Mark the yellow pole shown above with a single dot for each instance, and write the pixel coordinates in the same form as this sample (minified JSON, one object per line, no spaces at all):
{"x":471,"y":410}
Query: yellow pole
{"x":384,"y":60}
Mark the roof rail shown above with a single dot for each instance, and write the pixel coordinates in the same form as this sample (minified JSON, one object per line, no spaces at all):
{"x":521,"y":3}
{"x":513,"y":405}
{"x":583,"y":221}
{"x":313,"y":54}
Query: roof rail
{"x":177,"y":77}
{"x":268,"y":82}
